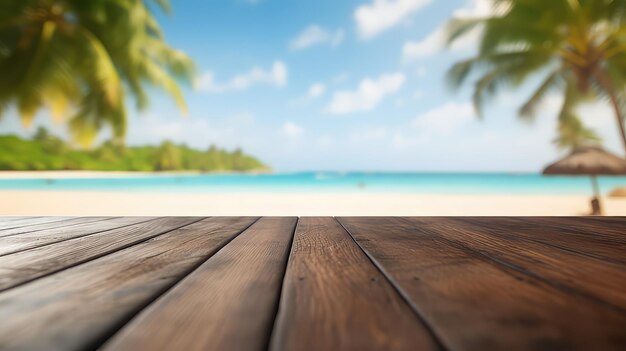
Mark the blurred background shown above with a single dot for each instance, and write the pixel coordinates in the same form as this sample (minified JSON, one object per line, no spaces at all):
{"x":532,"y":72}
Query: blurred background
{"x":276,"y":107}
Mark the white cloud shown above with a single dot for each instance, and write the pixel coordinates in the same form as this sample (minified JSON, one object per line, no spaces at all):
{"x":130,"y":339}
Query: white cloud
{"x":368,"y":95}
{"x":292,"y":130}
{"x":316,"y":35}
{"x":372,"y":19}
{"x":429,"y":46}
{"x":445,"y":119}
{"x":435,"y":42}
{"x":277,"y":76}
{"x":475,"y":8}
{"x":317,"y":90}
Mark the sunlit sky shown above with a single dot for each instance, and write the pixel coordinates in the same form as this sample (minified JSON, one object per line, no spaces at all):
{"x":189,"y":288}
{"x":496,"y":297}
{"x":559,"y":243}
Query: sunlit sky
{"x":340,"y":85}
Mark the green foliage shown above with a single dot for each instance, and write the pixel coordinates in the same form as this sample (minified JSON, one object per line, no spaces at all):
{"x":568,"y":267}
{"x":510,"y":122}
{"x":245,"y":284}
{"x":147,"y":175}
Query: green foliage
{"x":579,"y":46}
{"x":573,"y":134}
{"x":78,"y":58}
{"x":47,"y":152}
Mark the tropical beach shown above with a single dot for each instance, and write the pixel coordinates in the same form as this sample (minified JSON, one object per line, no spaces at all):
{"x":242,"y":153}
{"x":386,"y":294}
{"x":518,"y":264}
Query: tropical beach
{"x":63,"y":193}
{"x":55,"y":203}
{"x":285,"y":175}
{"x":449,"y":116}
{"x":450,"y":101}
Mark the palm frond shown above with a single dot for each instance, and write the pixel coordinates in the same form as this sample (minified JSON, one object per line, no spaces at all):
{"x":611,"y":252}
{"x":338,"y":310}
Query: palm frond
{"x":581,"y":37}
{"x":571,"y":131}
{"x":528,"y":111}
{"x":105,"y":74}
{"x":461,"y":26}
{"x":487,"y":87}
{"x":460,"y":71}
{"x":84,"y":63}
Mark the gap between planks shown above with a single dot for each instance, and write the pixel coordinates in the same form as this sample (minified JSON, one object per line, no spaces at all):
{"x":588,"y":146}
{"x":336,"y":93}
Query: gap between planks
{"x":213,"y":306}
{"x":17,"y":269}
{"x":107,"y":292}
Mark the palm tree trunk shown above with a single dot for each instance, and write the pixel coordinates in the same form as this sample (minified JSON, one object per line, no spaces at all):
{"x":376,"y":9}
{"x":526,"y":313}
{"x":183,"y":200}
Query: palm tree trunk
{"x":618,"y":114}
{"x":596,"y":205}
{"x":607,"y":85}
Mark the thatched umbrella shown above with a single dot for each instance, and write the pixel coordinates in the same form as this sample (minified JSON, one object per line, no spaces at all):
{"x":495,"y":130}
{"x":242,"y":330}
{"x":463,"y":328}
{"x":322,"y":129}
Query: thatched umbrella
{"x":589,"y":161}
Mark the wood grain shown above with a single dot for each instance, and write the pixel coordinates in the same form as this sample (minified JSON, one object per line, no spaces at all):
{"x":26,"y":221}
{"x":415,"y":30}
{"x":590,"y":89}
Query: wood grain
{"x":48,"y":226}
{"x":389,"y":283}
{"x":605,"y":228}
{"x":78,"y":308}
{"x":569,"y":238}
{"x":21,"y":242}
{"x":228,"y":303}
{"x":473,"y":303}
{"x":11,"y":218}
{"x":616,"y":219}
{"x":334,"y":298}
{"x":31,"y":264}
{"x":27,"y":221}
{"x":598,"y":280}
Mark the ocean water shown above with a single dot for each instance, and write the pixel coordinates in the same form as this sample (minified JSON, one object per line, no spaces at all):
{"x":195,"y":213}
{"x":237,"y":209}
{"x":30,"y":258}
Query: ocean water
{"x":422,"y":183}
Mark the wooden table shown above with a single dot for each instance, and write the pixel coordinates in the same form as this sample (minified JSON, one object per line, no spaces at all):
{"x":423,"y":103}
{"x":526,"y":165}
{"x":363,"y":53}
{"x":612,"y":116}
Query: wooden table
{"x":239,"y":283}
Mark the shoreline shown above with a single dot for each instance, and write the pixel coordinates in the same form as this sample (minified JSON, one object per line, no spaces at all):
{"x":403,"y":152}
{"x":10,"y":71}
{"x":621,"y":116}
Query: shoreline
{"x":86,"y":174}
{"x":119,"y":203}
{"x":111,"y":174}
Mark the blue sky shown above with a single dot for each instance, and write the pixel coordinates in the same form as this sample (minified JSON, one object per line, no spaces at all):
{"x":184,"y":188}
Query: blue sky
{"x":340,"y":85}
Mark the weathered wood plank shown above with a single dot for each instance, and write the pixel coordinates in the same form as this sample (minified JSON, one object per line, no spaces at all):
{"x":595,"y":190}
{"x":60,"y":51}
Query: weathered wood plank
{"x":45,"y":226}
{"x":615,"y":219}
{"x":600,"y":281}
{"x":473,"y":303}
{"x":228,"y":303}
{"x":334,"y":298}
{"x":21,"y":242}
{"x":80,"y":307}
{"x":566,"y":238}
{"x":11,"y":218}
{"x":23,"y":222}
{"x":603,"y":228}
{"x":28,"y":265}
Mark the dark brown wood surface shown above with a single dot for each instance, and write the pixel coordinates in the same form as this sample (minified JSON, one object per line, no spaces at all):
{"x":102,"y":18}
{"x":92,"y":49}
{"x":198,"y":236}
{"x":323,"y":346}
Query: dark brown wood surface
{"x":50,"y":225}
{"x":29,"y":240}
{"x":27,"y":265}
{"x":582,"y":241}
{"x":567,"y":270}
{"x":327,"y":297}
{"x":476,"y":302}
{"x":242,"y":283}
{"x":228,"y":303}
{"x":105,"y":293}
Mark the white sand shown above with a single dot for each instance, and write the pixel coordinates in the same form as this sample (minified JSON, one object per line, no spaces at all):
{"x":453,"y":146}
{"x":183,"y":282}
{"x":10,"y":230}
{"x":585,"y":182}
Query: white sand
{"x":75,"y":203}
{"x":87,"y":203}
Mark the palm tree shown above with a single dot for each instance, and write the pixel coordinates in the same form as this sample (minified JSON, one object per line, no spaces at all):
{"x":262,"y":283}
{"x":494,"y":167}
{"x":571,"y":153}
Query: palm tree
{"x":574,"y":134}
{"x":578,"y":47}
{"x":79,"y":57}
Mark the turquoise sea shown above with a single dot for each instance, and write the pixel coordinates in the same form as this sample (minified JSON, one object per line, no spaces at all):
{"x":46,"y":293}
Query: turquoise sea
{"x":425,"y":183}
